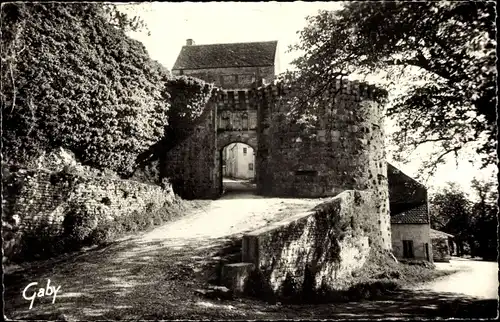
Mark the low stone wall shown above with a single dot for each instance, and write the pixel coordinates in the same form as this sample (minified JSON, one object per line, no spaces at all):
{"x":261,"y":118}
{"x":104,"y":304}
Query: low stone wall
{"x":328,"y":243}
{"x":39,"y":198}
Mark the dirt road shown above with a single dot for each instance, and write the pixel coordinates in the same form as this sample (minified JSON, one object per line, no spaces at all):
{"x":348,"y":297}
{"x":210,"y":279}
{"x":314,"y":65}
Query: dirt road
{"x":153,"y":272}
{"x":153,"y":275}
{"x":475,"y":278}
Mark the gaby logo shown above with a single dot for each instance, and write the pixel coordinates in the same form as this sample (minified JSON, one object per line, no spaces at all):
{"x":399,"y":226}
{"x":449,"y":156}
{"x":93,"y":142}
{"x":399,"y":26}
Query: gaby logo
{"x":48,"y":291}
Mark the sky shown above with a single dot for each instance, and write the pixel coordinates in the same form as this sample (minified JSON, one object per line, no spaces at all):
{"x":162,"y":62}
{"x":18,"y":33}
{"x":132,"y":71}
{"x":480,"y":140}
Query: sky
{"x":171,"y":23}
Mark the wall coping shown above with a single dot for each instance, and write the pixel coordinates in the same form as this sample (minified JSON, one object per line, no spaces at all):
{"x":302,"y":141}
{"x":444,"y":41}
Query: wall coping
{"x":300,"y":215}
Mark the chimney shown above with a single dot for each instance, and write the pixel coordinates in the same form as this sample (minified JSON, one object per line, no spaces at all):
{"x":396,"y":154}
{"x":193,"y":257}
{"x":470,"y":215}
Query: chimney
{"x":189,"y":42}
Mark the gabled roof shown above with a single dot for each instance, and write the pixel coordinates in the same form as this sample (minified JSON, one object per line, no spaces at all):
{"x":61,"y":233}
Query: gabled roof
{"x":227,"y":55}
{"x":417,"y":215}
{"x":405,"y":192}
{"x":439,"y":234}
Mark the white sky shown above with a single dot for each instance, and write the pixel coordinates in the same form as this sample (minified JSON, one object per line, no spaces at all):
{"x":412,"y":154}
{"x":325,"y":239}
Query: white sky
{"x":171,"y":23}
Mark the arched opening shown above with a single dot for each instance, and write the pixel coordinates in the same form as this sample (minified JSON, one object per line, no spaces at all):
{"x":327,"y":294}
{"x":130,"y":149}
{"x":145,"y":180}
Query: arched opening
{"x":238,"y":169}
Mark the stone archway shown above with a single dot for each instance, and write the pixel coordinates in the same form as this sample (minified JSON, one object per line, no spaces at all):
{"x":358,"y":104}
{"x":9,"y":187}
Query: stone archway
{"x":226,"y":138}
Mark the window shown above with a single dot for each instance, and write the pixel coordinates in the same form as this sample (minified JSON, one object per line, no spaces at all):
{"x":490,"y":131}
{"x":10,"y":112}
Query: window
{"x":408,"y":249}
{"x":244,"y":151}
{"x":241,"y":99}
{"x":250,"y":166}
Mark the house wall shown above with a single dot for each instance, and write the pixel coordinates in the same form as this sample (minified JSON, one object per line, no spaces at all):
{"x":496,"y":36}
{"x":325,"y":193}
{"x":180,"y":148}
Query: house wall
{"x":237,"y":162}
{"x":418,"y":233}
{"x":231,"y":77}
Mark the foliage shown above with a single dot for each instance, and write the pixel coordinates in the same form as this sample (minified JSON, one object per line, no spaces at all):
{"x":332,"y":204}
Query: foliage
{"x":81,"y":221}
{"x":449,"y":45}
{"x":188,"y":98}
{"x":485,"y":219}
{"x":73,"y":79}
{"x":450,"y":212}
{"x":473,"y":223}
{"x":188,"y":106}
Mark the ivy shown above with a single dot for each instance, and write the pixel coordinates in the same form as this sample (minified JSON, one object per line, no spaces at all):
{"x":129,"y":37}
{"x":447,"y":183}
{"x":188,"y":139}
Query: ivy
{"x":74,"y":79}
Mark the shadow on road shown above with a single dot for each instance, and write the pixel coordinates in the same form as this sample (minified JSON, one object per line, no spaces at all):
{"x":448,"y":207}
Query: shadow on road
{"x":239,"y":189}
{"x":138,"y":280}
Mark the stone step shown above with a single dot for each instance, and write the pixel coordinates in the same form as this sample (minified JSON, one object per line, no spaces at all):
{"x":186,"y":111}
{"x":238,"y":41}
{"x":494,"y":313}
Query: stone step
{"x":234,"y":276}
{"x":213,"y":267}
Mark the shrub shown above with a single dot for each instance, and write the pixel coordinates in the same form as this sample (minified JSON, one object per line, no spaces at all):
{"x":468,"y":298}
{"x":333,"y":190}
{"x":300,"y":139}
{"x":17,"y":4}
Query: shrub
{"x":77,"y":81}
{"x":39,"y":243}
{"x":80,"y":222}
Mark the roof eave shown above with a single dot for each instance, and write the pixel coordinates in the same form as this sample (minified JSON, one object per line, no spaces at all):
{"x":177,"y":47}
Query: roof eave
{"x":226,"y":66}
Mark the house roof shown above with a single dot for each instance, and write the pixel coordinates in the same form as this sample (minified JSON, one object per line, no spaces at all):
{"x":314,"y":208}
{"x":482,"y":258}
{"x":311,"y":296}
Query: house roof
{"x":227,"y":55}
{"x":439,"y":234}
{"x":405,"y":192}
{"x":417,"y":215}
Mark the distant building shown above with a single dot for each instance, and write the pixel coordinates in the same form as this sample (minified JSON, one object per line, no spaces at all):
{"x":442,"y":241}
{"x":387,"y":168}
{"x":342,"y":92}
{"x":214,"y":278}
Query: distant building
{"x":410,"y":224}
{"x":239,"y":160}
{"x":441,"y":243}
{"x":229,"y":66}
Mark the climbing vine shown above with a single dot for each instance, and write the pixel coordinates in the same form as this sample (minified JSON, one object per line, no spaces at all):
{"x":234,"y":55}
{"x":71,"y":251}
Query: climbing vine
{"x":75,"y":80}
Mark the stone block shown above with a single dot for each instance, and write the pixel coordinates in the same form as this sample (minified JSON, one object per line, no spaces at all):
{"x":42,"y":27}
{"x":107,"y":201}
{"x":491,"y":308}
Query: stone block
{"x":234,"y":276}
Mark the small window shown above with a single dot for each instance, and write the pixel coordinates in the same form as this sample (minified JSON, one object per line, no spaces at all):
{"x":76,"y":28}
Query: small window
{"x":408,"y":249}
{"x":250,"y":166}
{"x":244,"y":151}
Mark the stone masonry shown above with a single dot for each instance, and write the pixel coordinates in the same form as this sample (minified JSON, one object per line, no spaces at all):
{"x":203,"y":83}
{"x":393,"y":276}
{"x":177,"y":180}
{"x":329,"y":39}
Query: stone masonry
{"x":328,"y":243}
{"x":33,"y":199}
{"x":344,"y":154}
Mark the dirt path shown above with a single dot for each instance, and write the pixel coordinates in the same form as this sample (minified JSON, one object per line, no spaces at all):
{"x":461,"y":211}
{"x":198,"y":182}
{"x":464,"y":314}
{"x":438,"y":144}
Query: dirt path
{"x":474,"y":278}
{"x":153,"y":276}
{"x":152,"y":273}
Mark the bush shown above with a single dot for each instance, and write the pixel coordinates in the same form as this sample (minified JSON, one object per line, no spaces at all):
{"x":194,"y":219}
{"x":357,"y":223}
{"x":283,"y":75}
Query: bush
{"x":40,"y":243}
{"x":80,"y":222}
{"x":77,"y":81}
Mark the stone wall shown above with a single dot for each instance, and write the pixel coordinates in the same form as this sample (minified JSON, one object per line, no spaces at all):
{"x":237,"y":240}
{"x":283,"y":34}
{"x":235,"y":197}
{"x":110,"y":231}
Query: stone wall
{"x":190,"y":166}
{"x":39,"y":198}
{"x":330,"y":242}
{"x":343,"y":151}
{"x":418,"y":233}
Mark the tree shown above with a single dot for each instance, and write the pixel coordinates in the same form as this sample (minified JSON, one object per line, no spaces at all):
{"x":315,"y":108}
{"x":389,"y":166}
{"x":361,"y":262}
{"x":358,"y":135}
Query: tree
{"x":485,"y":220}
{"x":450,"y":211}
{"x":451,"y":46}
{"x":72,"y":78}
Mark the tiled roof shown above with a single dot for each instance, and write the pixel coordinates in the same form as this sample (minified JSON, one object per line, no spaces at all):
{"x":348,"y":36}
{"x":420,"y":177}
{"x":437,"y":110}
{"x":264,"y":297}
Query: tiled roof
{"x":227,"y":55}
{"x":439,"y":234}
{"x":417,"y":215}
{"x":404,"y":190}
